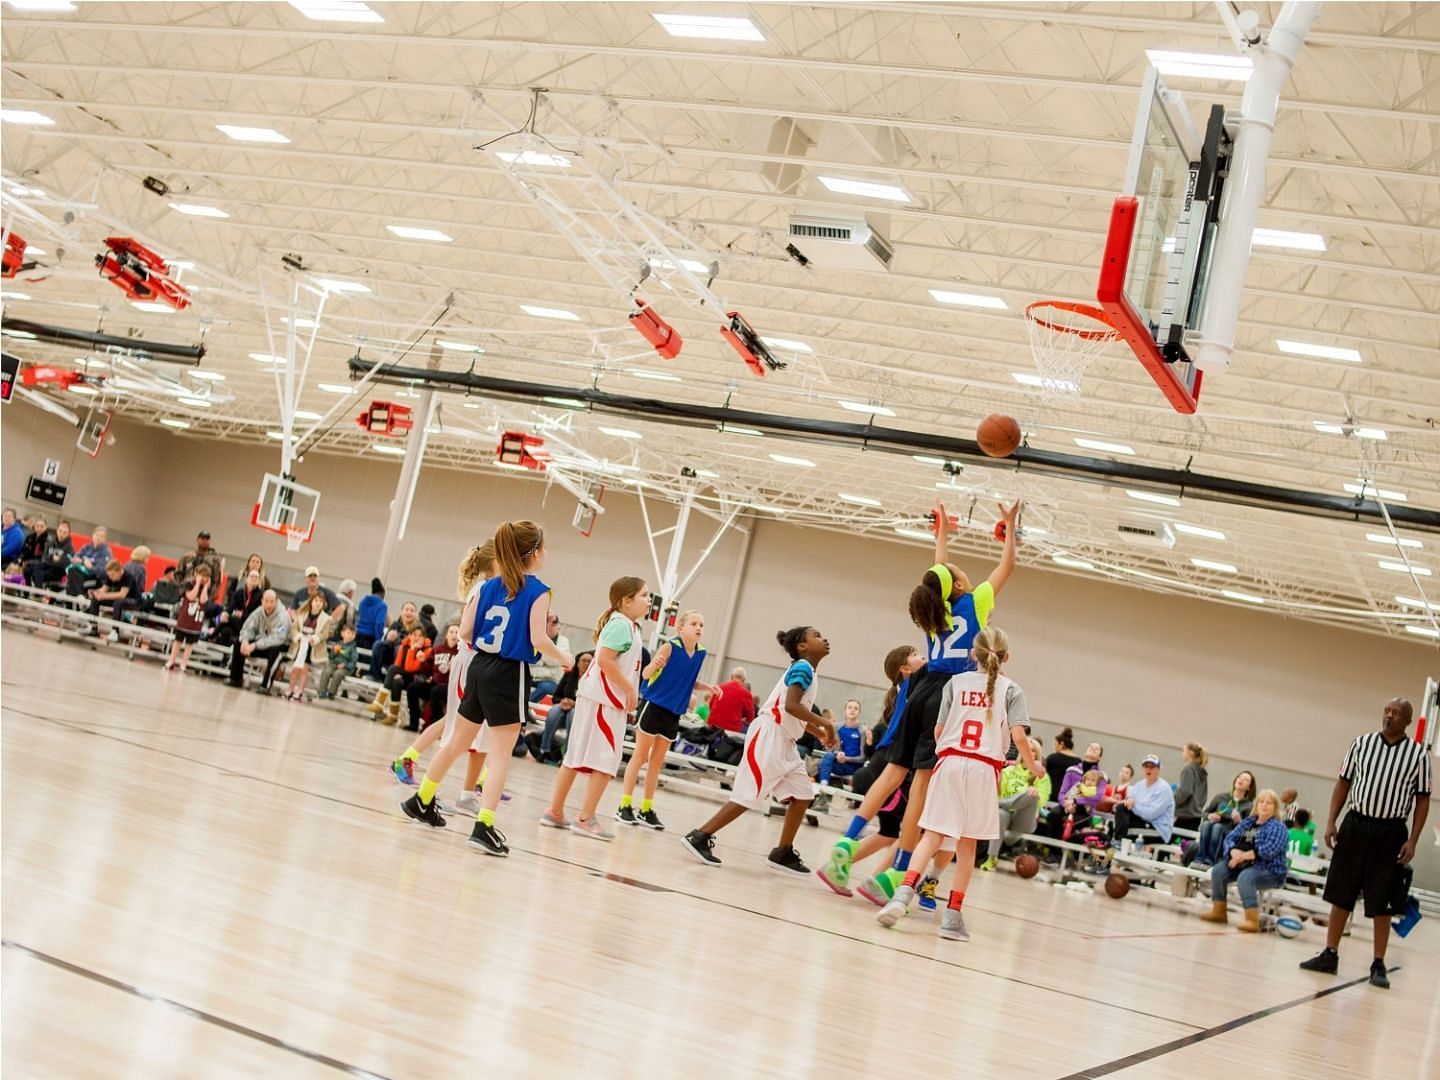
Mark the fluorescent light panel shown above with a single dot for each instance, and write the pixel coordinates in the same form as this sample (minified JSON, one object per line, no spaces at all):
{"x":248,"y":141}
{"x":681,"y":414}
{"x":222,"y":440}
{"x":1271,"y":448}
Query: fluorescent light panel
{"x":1152,"y":497}
{"x":25,"y":116}
{"x":393,"y":451}
{"x":1423,"y":631}
{"x":534,"y":157}
{"x":1319,"y":352}
{"x":1195,"y":65}
{"x":334,"y":388}
{"x":337,"y":11}
{"x":1243,"y":597}
{"x":787,"y":343}
{"x":1411,"y":601}
{"x":621,"y":433}
{"x":251,"y":134}
{"x":695,"y":266}
{"x":152,"y":306}
{"x":866,"y":189}
{"x":41,"y":5}
{"x":300,"y":324}
{"x":306,"y":414}
{"x":566,"y":402}
{"x":178,"y":425}
{"x":714,"y":27}
{"x":341,"y":285}
{"x":1211,"y":564}
{"x":869,"y":410}
{"x":1401,"y":568}
{"x":549,"y":312}
{"x":859,"y":500}
{"x":1071,"y":562}
{"x":194,"y":402}
{"x":1280,"y":238}
{"x":415,"y":232}
{"x":799,"y":462}
{"x":1398,"y":541}
{"x":460,"y":346}
{"x":1198,"y":530}
{"x":1025,"y":378}
{"x":656,"y":376}
{"x":1327,"y":428}
{"x":86,"y":391}
{"x":735,"y":429}
{"x":15,"y":295}
{"x":965,"y":299}
{"x":1370,"y":492}
{"x":266,"y":358}
{"x":198,"y":210}
{"x":1105,"y":447}
{"x":913,"y":534}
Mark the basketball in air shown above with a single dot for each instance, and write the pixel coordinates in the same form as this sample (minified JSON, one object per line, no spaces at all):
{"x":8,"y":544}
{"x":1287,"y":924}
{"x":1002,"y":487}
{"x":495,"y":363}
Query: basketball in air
{"x":998,"y":435}
{"x":1288,"y":926}
{"x":1027,"y":866}
{"x":1117,"y":885}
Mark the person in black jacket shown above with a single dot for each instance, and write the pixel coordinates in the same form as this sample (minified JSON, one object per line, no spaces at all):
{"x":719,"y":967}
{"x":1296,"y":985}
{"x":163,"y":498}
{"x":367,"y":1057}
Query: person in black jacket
{"x":243,"y":598}
{"x":47,"y":569}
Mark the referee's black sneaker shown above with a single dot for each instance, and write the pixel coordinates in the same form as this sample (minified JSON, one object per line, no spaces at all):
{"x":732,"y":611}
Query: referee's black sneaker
{"x":425,"y":813}
{"x":1378,"y":976}
{"x":489,"y":839}
{"x":1327,"y":962}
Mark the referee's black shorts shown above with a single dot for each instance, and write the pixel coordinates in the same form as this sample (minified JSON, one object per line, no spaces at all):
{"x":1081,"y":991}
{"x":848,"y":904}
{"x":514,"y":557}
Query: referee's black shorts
{"x":1365,"y":861}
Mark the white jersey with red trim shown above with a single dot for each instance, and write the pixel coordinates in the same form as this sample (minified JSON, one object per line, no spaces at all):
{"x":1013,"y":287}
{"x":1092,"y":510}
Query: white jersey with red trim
{"x":596,"y":686}
{"x":800,"y":674}
{"x":962,"y":712}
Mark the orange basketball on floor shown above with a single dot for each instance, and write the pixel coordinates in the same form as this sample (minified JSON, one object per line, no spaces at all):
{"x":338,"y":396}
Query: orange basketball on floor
{"x":1027,"y":866}
{"x":998,"y":435}
{"x":1117,"y":885}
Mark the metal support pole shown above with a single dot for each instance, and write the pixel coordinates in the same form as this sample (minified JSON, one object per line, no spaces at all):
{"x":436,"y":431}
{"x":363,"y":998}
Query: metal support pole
{"x":1245,"y":189}
{"x":409,"y":475}
{"x":668,"y":591}
{"x":727,"y":620}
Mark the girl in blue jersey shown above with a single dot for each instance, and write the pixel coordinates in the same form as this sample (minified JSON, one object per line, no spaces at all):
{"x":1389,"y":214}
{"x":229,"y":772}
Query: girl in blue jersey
{"x":951,"y":613}
{"x":671,"y":680}
{"x":604,"y":698}
{"x":509,"y":635}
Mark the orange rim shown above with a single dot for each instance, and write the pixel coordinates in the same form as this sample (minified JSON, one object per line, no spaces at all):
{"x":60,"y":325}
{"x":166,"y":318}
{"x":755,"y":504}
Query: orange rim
{"x":1089,"y":311}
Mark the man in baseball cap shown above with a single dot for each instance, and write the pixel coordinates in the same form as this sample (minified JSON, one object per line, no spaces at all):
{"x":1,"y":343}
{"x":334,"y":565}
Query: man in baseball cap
{"x":310,"y":588}
{"x":1149,"y":804}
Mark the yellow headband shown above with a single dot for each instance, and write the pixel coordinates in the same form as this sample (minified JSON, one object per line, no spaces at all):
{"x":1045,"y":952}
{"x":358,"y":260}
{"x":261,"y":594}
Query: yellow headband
{"x":947,"y":586}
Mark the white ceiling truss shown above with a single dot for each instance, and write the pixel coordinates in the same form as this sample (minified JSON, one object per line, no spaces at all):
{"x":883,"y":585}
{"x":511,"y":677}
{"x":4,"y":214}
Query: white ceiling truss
{"x":1007,"y":127}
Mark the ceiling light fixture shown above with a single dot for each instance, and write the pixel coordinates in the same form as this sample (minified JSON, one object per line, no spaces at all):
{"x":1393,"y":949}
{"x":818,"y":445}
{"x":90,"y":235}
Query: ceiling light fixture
{"x":859,"y":500}
{"x":15,"y":295}
{"x":788,"y":343}
{"x":194,"y":402}
{"x":913,"y":534}
{"x":300,"y":324}
{"x":799,"y":462}
{"x":1197,"y":530}
{"x":25,"y":116}
{"x":870,"y":410}
{"x":695,"y":266}
{"x":337,"y":11}
{"x":1401,"y":568}
{"x":266,"y":358}
{"x":657,"y":376}
{"x":393,"y":451}
{"x":1319,"y":352}
{"x":251,"y":134}
{"x":413,"y":232}
{"x":865,"y":189}
{"x":334,"y":388}
{"x":965,"y":299}
{"x":566,"y":402}
{"x":1105,"y":447}
{"x":1411,"y":601}
{"x":1423,"y":631}
{"x":152,"y":306}
{"x":926,"y":459}
{"x":178,"y":425}
{"x":1357,"y":432}
{"x":715,"y":27}
{"x":1072,"y":562}
{"x":1152,"y":497}
{"x":341,"y":285}
{"x":1398,"y":541}
{"x":86,"y":391}
{"x":1025,"y":378}
{"x":1369,"y":492}
{"x":307,"y":414}
{"x":198,"y":210}
{"x":707,"y":474}
{"x":1280,"y":238}
{"x":549,"y":312}
{"x":1210,"y":564}
{"x":534,"y":157}
{"x":206,"y":376}
{"x":1243,"y":597}
{"x":1193,"y":65}
{"x":735,"y":429}
{"x":621,"y":433}
{"x":460,"y":346}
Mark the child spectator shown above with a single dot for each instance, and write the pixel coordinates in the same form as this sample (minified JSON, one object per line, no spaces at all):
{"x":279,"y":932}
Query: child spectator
{"x":189,"y":619}
{"x":344,"y":660}
{"x":49,"y":570}
{"x":15,"y":574}
{"x":32,"y":548}
{"x":412,"y":660}
{"x":845,"y":758}
{"x":1302,"y":833}
{"x":167,"y":591}
{"x":309,"y":629}
{"x":432,"y":689}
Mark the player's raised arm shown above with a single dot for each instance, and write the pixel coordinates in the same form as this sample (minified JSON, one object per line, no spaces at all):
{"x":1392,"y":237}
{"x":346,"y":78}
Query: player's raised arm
{"x":1001,"y":573}
{"x":942,"y":533}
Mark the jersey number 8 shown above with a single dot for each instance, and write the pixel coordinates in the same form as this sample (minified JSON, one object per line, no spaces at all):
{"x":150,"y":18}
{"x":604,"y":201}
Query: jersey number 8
{"x":489,"y":639}
{"x":971,"y":734}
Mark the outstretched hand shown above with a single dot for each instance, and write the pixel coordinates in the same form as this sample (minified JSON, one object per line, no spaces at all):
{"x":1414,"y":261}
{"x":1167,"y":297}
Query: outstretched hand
{"x":1008,"y":514}
{"x":942,"y":519}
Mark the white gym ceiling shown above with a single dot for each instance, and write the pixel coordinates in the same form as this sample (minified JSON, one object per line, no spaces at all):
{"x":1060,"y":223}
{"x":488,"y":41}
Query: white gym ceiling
{"x":1006,"y":127}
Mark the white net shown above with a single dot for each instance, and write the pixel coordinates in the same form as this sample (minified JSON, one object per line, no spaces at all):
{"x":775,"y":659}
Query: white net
{"x":1065,"y":337}
{"x":294,"y":538}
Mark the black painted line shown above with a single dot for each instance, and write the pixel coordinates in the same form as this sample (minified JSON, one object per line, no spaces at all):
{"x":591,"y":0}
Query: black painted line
{"x":198,"y":1014}
{"x":75,"y":725}
{"x":1131,"y":1060}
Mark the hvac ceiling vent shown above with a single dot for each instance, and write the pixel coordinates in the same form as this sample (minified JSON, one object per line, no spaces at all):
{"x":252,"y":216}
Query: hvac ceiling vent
{"x":838,"y":244}
{"x":1149,"y":533}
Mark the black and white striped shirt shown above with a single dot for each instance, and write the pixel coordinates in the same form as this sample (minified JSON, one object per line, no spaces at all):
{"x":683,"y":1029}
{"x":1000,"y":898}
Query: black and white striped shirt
{"x":1385,"y":779}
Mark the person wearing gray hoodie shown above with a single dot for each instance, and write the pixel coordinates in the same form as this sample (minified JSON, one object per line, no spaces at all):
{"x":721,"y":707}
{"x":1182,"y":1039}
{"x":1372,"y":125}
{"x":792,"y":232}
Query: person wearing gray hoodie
{"x":1194,"y":787}
{"x":265,"y":635}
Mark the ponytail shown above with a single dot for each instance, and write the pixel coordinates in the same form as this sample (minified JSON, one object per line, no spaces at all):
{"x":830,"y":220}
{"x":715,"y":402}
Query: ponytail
{"x":790,"y":640}
{"x":621,"y":589}
{"x":515,"y":542}
{"x":478,"y":561}
{"x":928,"y":609}
{"x":990,"y":649}
{"x":1199,"y":753}
{"x":895,"y":675}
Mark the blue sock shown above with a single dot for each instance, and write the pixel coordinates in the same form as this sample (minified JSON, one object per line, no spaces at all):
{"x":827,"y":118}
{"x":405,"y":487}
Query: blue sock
{"x":902,"y":861}
{"x":856,"y":827}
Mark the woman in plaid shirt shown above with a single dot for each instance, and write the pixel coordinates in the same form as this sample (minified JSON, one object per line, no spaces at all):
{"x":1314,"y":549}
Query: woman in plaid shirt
{"x":1253,"y":857}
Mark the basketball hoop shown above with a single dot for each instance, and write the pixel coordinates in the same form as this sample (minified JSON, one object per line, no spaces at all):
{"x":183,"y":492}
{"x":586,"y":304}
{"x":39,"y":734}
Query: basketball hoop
{"x":294,"y":538}
{"x":1065,"y":336}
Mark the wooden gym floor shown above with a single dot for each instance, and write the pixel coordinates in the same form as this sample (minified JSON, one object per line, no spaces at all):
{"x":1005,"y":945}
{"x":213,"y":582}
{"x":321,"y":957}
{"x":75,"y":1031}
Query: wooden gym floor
{"x":199,"y":882}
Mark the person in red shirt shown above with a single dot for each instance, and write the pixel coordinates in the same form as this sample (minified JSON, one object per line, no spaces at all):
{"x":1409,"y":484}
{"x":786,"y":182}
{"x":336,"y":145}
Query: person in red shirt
{"x":434,"y":687}
{"x":736,"y":706}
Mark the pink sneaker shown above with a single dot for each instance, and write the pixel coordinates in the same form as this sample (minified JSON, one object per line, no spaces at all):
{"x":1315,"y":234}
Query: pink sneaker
{"x":592,"y":829}
{"x":551,"y":821}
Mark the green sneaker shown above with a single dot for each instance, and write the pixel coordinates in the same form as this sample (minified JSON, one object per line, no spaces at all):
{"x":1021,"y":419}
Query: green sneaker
{"x":988,"y":864}
{"x":880,"y":889}
{"x":837,"y":868}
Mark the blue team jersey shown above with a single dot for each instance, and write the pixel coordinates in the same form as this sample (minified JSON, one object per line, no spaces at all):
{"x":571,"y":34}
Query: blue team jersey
{"x":949,"y":651}
{"x":502,"y":627}
{"x":902,"y":696}
{"x":671,"y":687}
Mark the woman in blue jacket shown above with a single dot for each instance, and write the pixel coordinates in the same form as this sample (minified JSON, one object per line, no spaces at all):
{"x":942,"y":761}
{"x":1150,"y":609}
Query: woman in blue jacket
{"x":1253,"y":857}
{"x":370,"y":616}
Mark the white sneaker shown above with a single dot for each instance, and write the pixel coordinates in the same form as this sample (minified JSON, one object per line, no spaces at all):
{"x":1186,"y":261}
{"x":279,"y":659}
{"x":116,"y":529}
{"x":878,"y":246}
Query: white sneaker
{"x":113,"y":636}
{"x":895,"y":910}
{"x":467,"y":803}
{"x":952,"y":926}
{"x":550,"y":820}
{"x":592,"y":829}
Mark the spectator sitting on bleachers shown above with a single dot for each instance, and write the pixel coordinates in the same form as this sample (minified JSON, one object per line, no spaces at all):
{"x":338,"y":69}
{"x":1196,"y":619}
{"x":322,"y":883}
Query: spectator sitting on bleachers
{"x":189,"y":618}
{"x":32,"y":546}
{"x":87,"y":566}
{"x":545,"y":675}
{"x":1253,"y":856}
{"x":118,"y":589}
{"x":412,"y":661}
{"x":427,"y":620}
{"x":1061,"y":758}
{"x":49,"y":570}
{"x":256,"y":563}
{"x":136,"y":567}
{"x":736,"y":707}
{"x":370,"y":616}
{"x":12,"y":537}
{"x":382,"y":653}
{"x":1222,"y":814}
{"x":309,"y":630}
{"x":845,"y":758}
{"x":1078,"y":799}
{"x":1150,"y":804}
{"x":1289,"y":803}
{"x":1302,"y":833}
{"x":310,"y":588}
{"x":1117,"y":791}
{"x":1021,"y":797}
{"x":431,"y":689}
{"x":167,"y":592}
{"x":263,"y":635}
{"x":14,"y":574}
{"x":243,"y":599}
{"x":343,"y":614}
{"x":563,"y":705}
{"x":343,"y":660}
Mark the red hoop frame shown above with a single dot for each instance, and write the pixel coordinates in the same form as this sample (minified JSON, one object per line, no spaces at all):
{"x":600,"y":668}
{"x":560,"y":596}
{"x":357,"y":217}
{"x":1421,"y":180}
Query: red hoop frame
{"x":1090,"y":311}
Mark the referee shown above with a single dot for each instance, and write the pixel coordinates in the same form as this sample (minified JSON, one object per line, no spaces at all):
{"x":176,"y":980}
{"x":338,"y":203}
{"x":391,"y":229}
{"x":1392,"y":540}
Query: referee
{"x":1385,"y":778}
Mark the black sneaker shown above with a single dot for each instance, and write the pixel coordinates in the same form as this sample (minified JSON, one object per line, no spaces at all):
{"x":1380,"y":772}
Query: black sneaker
{"x":425,"y":813}
{"x":237,"y":685}
{"x":787,"y":858}
{"x":489,"y":840}
{"x":1378,"y":976}
{"x":702,"y":846}
{"x":626,"y":815}
{"x":1327,"y":962}
{"x":647,"y":817}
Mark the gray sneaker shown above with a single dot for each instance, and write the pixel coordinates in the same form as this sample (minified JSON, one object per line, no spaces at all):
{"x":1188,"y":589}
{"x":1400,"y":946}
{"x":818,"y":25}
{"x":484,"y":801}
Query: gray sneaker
{"x":895,"y":910}
{"x":550,"y":820}
{"x":591,"y":828}
{"x":952,"y":925}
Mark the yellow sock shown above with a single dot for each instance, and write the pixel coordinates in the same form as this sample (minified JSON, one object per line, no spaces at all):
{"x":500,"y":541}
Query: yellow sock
{"x":410,"y":754}
{"x":484,"y":775}
{"x":428,"y":788}
{"x":646,"y":804}
{"x":624,"y":800}
{"x":486,"y":817}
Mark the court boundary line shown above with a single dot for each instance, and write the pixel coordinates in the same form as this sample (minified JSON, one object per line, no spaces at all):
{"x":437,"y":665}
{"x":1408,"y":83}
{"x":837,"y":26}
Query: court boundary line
{"x":191,"y":1011}
{"x":1143,"y":1056}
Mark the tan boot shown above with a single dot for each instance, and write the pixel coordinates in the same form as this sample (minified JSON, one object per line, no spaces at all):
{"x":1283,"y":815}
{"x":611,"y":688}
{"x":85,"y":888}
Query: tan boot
{"x":377,"y":707}
{"x":1217,"y":913}
{"x":392,"y":715}
{"x":1251,"y":923}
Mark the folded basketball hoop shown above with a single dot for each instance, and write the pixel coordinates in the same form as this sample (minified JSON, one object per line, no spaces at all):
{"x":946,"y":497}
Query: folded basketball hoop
{"x":1065,"y":337}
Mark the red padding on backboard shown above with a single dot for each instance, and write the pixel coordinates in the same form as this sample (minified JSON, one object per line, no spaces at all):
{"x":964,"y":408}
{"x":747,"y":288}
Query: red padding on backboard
{"x":1110,"y":292}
